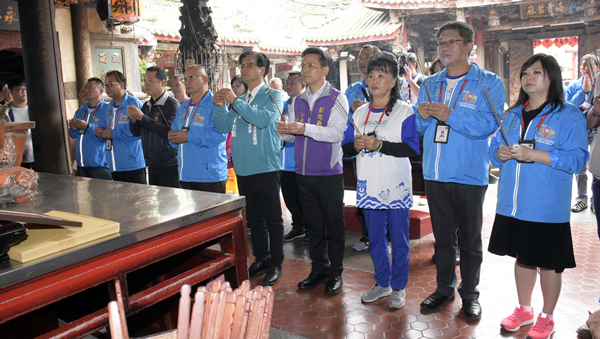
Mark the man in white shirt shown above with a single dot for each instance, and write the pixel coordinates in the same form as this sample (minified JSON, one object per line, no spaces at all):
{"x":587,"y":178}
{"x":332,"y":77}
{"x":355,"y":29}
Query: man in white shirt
{"x":317,"y":123}
{"x":19,"y":112}
{"x":277,"y":84}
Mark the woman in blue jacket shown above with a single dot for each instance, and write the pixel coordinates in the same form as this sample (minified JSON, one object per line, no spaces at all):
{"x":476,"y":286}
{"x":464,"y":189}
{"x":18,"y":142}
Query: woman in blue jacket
{"x":548,"y":144}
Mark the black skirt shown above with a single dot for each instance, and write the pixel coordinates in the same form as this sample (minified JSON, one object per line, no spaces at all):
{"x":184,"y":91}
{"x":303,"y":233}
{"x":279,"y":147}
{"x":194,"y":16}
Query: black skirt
{"x":544,"y":245}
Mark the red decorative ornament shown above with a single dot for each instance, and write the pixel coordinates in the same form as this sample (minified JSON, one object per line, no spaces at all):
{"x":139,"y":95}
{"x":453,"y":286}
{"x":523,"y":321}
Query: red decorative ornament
{"x":127,"y":11}
{"x":537,"y":43}
{"x":558,"y":42}
{"x":572,"y":41}
{"x":547,"y":43}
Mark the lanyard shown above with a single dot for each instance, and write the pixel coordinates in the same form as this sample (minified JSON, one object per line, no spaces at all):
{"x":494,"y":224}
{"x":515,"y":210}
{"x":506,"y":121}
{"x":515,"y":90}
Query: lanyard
{"x":523,"y":122}
{"x":369,"y":114}
{"x":114,"y":122}
{"x":94,"y":112}
{"x":195,"y":109}
{"x":461,"y":89}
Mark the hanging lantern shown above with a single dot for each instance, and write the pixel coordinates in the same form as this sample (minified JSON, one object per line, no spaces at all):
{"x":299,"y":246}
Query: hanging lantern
{"x":572,"y":41}
{"x":537,"y":43}
{"x":547,"y":43}
{"x":127,"y":11}
{"x":558,"y":42}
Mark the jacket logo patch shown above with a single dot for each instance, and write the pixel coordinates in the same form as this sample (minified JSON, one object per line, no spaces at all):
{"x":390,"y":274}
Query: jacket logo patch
{"x":95,"y":120}
{"x":545,"y":135}
{"x":123,"y":117}
{"x":200,"y":118}
{"x":469,"y":100}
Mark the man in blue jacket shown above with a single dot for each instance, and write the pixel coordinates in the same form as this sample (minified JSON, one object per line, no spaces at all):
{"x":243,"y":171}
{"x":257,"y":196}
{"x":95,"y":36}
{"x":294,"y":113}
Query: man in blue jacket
{"x":90,"y":151}
{"x":124,"y":153}
{"x":456,"y":123}
{"x":255,"y":149}
{"x":153,"y":123}
{"x":200,"y":146}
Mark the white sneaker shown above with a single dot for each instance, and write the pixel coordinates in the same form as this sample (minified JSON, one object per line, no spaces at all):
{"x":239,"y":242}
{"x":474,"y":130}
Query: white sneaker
{"x":423,"y":201}
{"x":397,"y":299}
{"x":376,"y":292}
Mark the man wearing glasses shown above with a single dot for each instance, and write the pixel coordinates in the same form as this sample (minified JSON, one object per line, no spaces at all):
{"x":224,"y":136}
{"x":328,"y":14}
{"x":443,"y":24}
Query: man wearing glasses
{"x":456,"y":164}
{"x":124,"y":153}
{"x":19,"y":112}
{"x":90,"y":151}
{"x":255,"y":149}
{"x":201,"y":157}
{"x":317,"y":122}
{"x":356,"y":98}
{"x":153,"y":123}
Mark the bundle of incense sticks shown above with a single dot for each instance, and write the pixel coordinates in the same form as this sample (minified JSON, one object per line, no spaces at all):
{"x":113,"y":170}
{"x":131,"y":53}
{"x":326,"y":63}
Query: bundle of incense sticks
{"x":218,"y":312}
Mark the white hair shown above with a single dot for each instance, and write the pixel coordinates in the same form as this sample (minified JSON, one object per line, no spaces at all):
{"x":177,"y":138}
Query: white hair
{"x":277,"y":80}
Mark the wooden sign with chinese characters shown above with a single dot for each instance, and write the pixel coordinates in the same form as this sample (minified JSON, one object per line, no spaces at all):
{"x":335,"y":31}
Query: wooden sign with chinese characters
{"x":9,"y":16}
{"x":108,"y":59}
{"x":545,"y":9}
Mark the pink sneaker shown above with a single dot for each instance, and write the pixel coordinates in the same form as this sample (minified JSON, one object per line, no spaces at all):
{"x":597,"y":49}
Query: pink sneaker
{"x":520,"y":317}
{"x":543,"y":328}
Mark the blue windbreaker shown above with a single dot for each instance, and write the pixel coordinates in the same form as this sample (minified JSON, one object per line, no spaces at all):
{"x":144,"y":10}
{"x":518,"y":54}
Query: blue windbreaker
{"x":255,"y":144}
{"x":533,"y":191}
{"x":202,"y":158}
{"x":90,"y":150}
{"x":288,"y":160}
{"x":464,"y":159}
{"x":127,"y":153}
{"x":574,"y":92}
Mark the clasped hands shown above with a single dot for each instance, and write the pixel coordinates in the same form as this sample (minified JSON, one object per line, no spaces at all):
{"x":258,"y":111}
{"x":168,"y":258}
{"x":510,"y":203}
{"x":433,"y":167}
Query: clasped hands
{"x":366,"y":142}
{"x":224,"y":94}
{"x":77,"y":124}
{"x":516,"y":151}
{"x":434,"y":109}
{"x":134,"y":113}
{"x":296,"y":128}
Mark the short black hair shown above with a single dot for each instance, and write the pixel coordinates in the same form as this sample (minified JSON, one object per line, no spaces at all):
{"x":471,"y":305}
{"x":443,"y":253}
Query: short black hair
{"x":374,"y":48}
{"x":239,"y":78}
{"x":466,"y":31}
{"x":16,"y":82}
{"x":412,"y":57}
{"x":298,"y":73}
{"x":261,"y":60}
{"x":386,"y":62}
{"x":98,"y":82}
{"x":161,"y":74}
{"x":120,"y":77}
{"x":324,"y":58}
{"x":556,"y":94}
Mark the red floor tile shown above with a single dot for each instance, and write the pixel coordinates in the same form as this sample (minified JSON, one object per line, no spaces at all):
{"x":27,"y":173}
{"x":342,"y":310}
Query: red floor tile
{"x":314,"y":315}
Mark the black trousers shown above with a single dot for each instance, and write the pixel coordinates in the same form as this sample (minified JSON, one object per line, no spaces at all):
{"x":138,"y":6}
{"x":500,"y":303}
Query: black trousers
{"x":214,"y":187}
{"x":456,"y":211}
{"x":289,"y":189}
{"x":163,"y":176}
{"x":322,"y":200}
{"x":137,"y":176}
{"x":94,"y":172}
{"x":263,"y":215}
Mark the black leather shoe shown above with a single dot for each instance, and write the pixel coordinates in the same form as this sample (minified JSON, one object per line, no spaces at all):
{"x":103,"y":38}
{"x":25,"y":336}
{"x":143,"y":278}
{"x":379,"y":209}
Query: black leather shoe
{"x":294,"y":234}
{"x":471,"y":308}
{"x":313,"y":280}
{"x":273,"y":275}
{"x":436,"y":301}
{"x":257,"y":268}
{"x":334,"y":285}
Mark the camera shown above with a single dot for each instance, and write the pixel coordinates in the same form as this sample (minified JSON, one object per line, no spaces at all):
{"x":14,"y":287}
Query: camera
{"x":401,"y":64}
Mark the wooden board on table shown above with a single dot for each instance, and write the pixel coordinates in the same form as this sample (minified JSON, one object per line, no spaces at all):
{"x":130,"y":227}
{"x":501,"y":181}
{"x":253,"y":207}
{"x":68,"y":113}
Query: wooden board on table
{"x":43,"y":240}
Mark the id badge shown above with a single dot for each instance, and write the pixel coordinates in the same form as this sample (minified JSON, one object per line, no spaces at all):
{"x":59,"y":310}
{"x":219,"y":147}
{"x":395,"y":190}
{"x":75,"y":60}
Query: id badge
{"x":109,"y":144}
{"x":185,"y":129}
{"x":81,"y":131}
{"x":529,"y":144}
{"x":441,"y":133}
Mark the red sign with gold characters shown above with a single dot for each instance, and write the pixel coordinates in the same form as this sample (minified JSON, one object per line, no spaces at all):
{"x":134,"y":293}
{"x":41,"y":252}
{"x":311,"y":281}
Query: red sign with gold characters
{"x":9,"y":16}
{"x":545,"y":9}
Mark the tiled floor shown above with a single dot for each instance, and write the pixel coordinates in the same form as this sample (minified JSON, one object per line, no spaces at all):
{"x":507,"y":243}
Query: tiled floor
{"x":312,"y":314}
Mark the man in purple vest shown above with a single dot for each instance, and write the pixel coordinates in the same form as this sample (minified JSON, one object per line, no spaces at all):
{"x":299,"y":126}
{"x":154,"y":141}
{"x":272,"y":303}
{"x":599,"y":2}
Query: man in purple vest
{"x":317,"y":120}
